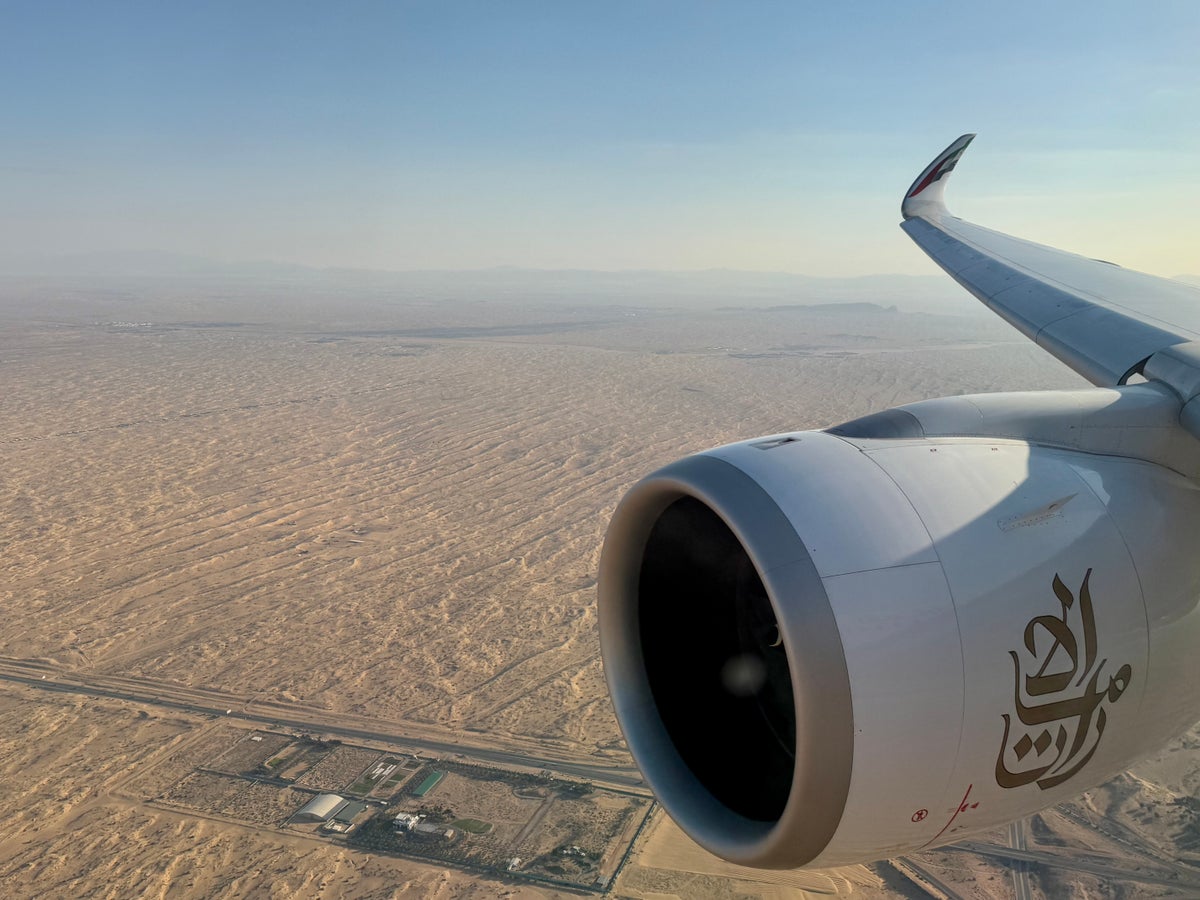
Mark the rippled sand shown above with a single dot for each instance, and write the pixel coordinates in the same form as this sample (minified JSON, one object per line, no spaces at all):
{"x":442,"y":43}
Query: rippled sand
{"x":386,"y":508}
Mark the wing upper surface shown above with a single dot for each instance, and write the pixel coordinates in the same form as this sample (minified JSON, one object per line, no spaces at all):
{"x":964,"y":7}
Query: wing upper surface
{"x":1100,"y":319}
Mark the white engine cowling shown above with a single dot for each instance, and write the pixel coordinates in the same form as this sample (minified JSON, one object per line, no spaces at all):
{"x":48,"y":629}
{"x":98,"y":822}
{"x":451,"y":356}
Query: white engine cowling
{"x":825,"y":650}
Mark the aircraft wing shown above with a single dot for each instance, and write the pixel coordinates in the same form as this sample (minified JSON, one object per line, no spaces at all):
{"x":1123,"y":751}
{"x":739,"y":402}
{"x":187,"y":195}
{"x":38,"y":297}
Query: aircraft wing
{"x":1102,"y":320}
{"x":862,"y":601}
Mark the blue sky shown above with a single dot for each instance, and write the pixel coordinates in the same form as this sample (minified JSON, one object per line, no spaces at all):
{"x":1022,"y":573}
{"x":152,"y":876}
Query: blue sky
{"x":664,"y":135}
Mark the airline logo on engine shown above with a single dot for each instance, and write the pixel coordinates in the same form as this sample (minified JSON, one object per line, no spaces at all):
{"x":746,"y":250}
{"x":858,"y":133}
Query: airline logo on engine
{"x":1060,"y":706}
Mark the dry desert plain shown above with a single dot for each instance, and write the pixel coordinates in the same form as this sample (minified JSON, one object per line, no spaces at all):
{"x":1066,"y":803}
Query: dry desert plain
{"x":389,"y":509}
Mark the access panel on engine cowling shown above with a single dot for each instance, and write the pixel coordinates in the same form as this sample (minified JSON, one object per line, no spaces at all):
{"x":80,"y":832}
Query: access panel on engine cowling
{"x":1054,"y":641}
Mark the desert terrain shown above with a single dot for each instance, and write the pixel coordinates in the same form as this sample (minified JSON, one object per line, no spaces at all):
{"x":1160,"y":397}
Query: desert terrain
{"x":361,"y":506}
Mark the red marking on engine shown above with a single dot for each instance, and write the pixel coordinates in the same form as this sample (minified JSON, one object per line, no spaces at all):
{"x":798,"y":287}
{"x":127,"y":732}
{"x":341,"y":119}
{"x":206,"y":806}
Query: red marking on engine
{"x":920,"y":815}
{"x":963,"y":806}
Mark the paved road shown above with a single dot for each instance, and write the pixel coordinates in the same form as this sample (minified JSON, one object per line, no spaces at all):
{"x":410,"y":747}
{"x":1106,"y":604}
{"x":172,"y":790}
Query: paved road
{"x":1115,"y":831}
{"x":1065,"y":859}
{"x":200,"y":701}
{"x":1022,"y":889}
{"x":923,"y":874}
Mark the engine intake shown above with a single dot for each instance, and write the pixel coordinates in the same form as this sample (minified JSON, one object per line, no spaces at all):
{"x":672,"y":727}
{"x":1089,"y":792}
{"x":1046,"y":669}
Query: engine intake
{"x":830,"y":649}
{"x":739,"y":707}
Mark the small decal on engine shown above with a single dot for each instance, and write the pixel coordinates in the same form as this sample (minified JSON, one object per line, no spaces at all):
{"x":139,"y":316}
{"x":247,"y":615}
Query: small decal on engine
{"x":1063,"y":719}
{"x":962,"y":807}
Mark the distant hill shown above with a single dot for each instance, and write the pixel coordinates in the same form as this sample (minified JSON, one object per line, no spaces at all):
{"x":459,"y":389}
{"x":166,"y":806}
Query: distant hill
{"x":709,"y":287}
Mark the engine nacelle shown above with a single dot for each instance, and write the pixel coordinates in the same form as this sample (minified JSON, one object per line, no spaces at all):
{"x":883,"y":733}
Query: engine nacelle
{"x":826,"y":649}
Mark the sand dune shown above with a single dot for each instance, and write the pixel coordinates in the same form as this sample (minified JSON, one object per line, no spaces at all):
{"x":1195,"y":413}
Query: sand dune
{"x":395,"y":513}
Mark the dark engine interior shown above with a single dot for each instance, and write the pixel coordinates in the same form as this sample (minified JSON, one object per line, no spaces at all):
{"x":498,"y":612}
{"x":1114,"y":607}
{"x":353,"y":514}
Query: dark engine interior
{"x":715,"y":661}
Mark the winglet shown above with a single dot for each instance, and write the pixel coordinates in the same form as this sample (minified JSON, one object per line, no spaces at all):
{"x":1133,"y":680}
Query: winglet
{"x":924,"y":198}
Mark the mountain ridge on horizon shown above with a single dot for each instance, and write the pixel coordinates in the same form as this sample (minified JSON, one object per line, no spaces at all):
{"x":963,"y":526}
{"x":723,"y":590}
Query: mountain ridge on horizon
{"x":720,"y":285}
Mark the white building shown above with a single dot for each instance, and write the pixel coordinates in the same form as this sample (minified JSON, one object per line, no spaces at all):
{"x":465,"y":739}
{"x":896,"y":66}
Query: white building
{"x":321,"y":807}
{"x":406,"y":821}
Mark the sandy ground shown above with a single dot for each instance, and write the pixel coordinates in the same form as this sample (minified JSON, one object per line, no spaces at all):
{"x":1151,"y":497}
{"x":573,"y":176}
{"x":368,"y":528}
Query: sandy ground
{"x":382,"y":525}
{"x":385,"y":508}
{"x":670,"y":864}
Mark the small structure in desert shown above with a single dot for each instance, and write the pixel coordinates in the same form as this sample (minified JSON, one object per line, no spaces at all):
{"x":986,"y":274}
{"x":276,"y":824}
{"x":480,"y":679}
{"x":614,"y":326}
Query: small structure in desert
{"x":405,"y":821}
{"x":335,"y":811}
{"x":321,"y":808}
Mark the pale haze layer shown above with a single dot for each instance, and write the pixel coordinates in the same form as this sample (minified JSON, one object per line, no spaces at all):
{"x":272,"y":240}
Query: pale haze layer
{"x":760,"y":136}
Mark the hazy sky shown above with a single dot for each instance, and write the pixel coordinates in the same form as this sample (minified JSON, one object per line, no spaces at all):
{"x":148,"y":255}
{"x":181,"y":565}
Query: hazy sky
{"x":673,"y":135}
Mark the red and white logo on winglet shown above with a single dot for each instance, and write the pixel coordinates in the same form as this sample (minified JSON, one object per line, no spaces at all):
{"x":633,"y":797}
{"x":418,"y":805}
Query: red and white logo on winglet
{"x":943,"y":168}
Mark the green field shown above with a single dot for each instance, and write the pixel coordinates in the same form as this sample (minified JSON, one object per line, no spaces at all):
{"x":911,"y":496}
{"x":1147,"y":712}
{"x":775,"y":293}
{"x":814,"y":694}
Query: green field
{"x":431,"y":781}
{"x":472,"y":826}
{"x":366,"y":782}
{"x":402,"y":772}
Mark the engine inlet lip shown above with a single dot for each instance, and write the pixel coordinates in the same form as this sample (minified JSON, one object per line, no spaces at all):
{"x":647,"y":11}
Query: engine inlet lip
{"x":816,"y":660}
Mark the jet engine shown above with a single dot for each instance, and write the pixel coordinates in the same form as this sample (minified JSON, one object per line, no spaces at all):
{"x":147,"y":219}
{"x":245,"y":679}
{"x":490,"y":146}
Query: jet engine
{"x":840,"y":646}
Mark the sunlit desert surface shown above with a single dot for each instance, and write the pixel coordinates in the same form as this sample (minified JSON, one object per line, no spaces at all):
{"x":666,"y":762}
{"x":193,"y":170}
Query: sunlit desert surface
{"x":390,"y":510}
